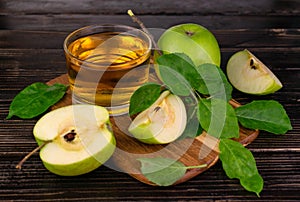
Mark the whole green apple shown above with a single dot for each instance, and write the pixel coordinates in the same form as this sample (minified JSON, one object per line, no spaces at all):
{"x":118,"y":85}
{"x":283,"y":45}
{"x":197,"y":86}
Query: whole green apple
{"x":78,"y":139}
{"x":192,"y":39}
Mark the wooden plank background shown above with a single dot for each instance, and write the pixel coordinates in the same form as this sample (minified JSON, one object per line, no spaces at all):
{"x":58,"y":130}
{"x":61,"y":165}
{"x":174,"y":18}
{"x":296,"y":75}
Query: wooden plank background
{"x":31,"y":37}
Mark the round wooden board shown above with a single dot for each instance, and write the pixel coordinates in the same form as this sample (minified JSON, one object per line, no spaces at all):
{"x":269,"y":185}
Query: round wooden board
{"x":200,"y":150}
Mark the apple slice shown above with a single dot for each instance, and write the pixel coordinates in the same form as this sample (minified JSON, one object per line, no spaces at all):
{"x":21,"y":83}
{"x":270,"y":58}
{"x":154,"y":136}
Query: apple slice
{"x":79,"y":139}
{"x":249,"y":75}
{"x":163,"y":122}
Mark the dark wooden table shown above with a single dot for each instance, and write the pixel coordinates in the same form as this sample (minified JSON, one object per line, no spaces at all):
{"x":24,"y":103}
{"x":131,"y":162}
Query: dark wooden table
{"x":31,"y":37}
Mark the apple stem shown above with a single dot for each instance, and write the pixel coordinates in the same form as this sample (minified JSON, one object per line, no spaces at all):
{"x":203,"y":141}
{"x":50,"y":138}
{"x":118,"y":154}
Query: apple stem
{"x":141,"y":24}
{"x":189,"y":33}
{"x":19,"y":166}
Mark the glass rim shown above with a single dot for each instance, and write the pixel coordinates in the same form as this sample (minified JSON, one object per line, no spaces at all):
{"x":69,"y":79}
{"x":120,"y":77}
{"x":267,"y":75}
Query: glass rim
{"x":125,"y":27}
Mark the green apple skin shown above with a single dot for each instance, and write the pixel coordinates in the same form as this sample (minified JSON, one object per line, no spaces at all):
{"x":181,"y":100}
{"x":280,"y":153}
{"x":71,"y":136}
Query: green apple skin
{"x":163,"y":122}
{"x":84,"y":166}
{"x":143,"y":134}
{"x":249,"y":75}
{"x":93,"y":147}
{"x":192,"y":39}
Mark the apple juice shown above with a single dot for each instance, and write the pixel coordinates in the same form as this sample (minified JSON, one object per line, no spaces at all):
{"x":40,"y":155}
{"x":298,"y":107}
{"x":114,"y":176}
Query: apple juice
{"x":106,"y":68}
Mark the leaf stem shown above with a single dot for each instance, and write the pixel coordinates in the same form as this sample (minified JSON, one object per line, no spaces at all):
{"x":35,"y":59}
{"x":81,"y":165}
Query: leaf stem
{"x":198,"y":166}
{"x":141,"y":24}
{"x":19,"y":166}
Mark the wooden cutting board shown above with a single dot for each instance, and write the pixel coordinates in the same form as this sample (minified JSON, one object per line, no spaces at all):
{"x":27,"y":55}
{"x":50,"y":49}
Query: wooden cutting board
{"x":200,"y":150}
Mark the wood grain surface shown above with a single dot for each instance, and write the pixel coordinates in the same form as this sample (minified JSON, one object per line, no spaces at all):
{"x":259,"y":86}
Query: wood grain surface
{"x":31,"y":36}
{"x":203,"y":149}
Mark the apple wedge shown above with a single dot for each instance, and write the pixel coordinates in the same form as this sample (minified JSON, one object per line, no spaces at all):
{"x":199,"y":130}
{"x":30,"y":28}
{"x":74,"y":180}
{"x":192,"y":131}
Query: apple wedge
{"x":79,"y":139}
{"x":163,"y":122}
{"x":249,"y":75}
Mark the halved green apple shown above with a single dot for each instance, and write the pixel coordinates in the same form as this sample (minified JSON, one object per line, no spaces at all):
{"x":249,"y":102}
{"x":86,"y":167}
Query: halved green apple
{"x":249,"y":75}
{"x":163,"y":122}
{"x":79,"y":139}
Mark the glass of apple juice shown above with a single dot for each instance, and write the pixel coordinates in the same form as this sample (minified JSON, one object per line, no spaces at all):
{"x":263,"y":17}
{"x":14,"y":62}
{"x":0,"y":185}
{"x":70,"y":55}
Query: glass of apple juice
{"x":106,"y":64}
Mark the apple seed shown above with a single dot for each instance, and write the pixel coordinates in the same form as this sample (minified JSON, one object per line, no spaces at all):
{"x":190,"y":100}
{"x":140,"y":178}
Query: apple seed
{"x":251,"y":62}
{"x":70,"y":136}
{"x":252,"y":65}
{"x":157,"y":108}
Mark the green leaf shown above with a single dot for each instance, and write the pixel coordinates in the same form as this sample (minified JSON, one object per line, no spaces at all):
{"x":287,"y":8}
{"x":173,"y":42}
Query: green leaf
{"x":214,"y":81}
{"x":180,"y":64}
{"x":254,"y":183}
{"x":193,"y":127}
{"x":175,"y":81}
{"x":238,"y":162}
{"x":35,"y":99}
{"x":164,"y":171}
{"x":144,"y":97}
{"x":218,"y":118}
{"x":268,"y":115}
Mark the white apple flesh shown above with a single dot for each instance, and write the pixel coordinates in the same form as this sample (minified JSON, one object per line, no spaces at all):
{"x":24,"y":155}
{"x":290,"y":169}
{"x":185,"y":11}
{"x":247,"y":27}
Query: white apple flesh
{"x":79,"y":136}
{"x":249,"y":75}
{"x":163,"y":122}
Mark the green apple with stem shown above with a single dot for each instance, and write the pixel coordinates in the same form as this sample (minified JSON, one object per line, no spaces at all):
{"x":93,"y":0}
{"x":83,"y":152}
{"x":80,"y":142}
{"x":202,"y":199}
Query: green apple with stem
{"x":194,"y":40}
{"x":249,"y":75}
{"x":163,"y":122}
{"x":74,"y":140}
